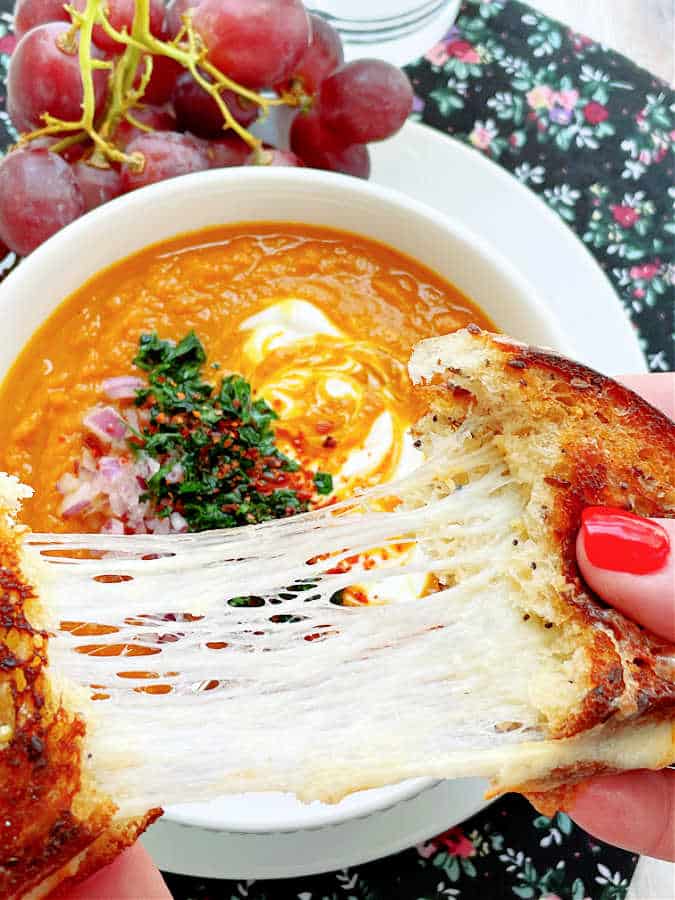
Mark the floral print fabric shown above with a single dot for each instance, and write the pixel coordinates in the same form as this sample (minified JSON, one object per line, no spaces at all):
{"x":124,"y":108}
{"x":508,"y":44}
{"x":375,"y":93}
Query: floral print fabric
{"x":594,"y":136}
{"x":583,"y":127}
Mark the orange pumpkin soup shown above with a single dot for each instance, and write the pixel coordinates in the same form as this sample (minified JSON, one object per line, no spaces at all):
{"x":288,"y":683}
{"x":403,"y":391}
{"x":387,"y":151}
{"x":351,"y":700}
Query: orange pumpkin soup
{"x":320,"y":323}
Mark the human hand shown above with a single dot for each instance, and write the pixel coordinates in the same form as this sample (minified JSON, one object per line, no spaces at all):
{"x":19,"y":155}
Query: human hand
{"x":635,"y":810}
{"x":132,"y":876}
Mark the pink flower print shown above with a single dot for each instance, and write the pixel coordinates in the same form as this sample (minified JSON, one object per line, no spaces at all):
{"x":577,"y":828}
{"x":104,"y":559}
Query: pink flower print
{"x":580,"y":41}
{"x":640,"y":293}
{"x":646,"y":272}
{"x":7,"y":44}
{"x":567,"y":99}
{"x":550,"y":897}
{"x":463,"y":51}
{"x":625,"y":216}
{"x":595,"y":113}
{"x":481,"y":136}
{"x":645,"y":157}
{"x":540,"y":97}
{"x":563,"y":103}
{"x":426,"y":851}
{"x":438,"y":55}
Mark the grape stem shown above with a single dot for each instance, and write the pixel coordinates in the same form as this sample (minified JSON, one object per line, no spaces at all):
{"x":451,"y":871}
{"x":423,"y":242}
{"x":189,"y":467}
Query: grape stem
{"x":126,"y":90}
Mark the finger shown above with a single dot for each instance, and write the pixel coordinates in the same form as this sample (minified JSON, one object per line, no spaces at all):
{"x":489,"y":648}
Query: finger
{"x":131,"y":876}
{"x":635,"y":811}
{"x":647,"y":598}
{"x":657,"y":389}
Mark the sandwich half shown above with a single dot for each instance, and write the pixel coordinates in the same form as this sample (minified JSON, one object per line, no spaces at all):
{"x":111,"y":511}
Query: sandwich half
{"x":138,"y":672}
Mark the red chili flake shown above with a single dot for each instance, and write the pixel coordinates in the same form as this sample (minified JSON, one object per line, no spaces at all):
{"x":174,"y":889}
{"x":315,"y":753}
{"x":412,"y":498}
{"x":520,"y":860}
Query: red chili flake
{"x":323,"y":427}
{"x":93,"y":444}
{"x":330,"y":442}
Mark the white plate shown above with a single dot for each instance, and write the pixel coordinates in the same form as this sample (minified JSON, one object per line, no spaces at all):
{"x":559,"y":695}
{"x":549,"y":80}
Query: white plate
{"x":456,"y":180}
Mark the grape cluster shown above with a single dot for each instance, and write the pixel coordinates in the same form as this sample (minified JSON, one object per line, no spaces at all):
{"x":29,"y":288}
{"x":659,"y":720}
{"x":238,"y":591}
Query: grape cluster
{"x":112,"y":95}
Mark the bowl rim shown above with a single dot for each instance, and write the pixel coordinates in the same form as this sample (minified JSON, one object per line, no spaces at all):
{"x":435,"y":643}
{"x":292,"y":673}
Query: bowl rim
{"x":66,"y":244}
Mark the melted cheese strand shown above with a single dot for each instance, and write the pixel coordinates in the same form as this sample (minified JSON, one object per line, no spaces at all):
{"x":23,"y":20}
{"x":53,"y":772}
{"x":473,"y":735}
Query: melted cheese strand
{"x":304,"y":686}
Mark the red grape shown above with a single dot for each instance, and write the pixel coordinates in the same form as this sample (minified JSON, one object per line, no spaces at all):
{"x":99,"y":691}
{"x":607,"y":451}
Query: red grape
{"x":97,"y":185}
{"x":120,"y":14}
{"x":274,"y":157}
{"x":165,"y":71}
{"x":367,"y":100}
{"x":226,"y":152}
{"x":320,"y":148}
{"x":38,"y":196}
{"x":167,"y":154}
{"x":70,"y":154}
{"x":157,"y":119}
{"x":29,"y":13}
{"x":174,"y":10}
{"x":322,"y":58}
{"x":198,"y":112}
{"x":43,"y":78}
{"x":256,"y":42}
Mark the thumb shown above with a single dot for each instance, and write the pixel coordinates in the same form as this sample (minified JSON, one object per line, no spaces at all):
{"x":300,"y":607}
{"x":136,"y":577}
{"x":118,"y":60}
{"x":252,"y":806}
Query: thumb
{"x":629,"y":561}
{"x":634,"y":810}
{"x":130,"y":877}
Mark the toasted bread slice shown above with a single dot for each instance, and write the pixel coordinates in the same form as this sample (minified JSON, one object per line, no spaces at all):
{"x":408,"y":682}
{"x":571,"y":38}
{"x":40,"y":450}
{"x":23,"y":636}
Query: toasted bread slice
{"x":577,"y":439}
{"x":56,"y":826}
{"x":512,"y":669}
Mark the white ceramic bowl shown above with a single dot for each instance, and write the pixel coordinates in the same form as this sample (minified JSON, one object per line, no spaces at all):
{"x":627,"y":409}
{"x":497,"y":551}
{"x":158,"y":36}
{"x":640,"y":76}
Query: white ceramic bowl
{"x":126,"y":225}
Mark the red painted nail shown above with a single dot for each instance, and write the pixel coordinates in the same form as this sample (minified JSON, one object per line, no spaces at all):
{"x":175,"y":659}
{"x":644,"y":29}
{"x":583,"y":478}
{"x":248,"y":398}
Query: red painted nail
{"x":623,"y":542}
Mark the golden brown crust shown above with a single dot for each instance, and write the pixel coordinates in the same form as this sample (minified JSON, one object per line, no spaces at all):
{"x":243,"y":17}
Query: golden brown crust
{"x":562,"y":798}
{"x":41,"y":760}
{"x":102,"y":852}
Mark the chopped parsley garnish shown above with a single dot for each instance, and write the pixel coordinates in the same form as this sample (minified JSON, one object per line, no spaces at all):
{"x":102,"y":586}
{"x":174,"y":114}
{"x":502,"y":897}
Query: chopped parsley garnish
{"x":219,"y":464}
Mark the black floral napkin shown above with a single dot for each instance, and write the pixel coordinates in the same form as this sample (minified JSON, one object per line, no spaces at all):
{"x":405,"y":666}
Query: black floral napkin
{"x":580,"y":125}
{"x":594,"y":136}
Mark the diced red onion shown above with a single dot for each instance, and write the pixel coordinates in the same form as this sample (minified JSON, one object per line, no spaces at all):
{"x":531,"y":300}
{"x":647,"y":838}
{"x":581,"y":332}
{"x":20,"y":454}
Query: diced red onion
{"x":67,"y":484}
{"x":78,"y":501}
{"x":158,"y":526}
{"x":178,"y":523}
{"x":146,"y":467}
{"x":87,"y":463}
{"x":123,"y":387}
{"x":110,"y":467}
{"x":176,"y":475}
{"x":132,"y":417}
{"x":106,"y":424}
{"x":113,"y":526}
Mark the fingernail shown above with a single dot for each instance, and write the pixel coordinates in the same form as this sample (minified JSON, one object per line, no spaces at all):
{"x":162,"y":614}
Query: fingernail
{"x":623,"y":542}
